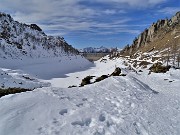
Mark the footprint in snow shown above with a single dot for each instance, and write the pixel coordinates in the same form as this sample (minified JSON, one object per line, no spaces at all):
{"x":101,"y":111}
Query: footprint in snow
{"x":63,"y":111}
{"x":79,"y":105}
{"x":84,"y":99}
{"x":55,"y":121}
{"x":102,"y":117}
{"x":85,"y":122}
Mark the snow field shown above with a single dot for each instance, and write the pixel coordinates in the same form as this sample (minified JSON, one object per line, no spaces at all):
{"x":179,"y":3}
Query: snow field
{"x":137,"y":104}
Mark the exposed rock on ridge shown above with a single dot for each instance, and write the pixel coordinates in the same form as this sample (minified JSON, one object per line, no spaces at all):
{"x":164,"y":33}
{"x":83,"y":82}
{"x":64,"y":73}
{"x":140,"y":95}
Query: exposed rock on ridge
{"x":155,"y":32}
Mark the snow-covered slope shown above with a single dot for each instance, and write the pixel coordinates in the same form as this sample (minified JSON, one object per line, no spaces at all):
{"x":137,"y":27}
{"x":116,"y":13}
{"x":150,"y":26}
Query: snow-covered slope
{"x":26,"y":49}
{"x":127,"y":105}
{"x":32,"y":73}
{"x":17,"y":79}
{"x":104,"y":66}
{"x":48,"y":68}
{"x":19,"y":40}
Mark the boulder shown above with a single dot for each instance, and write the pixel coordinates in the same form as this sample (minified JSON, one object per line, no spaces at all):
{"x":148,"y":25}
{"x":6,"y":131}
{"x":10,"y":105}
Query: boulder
{"x":86,"y":80}
{"x":159,"y":68}
{"x":116,"y":72}
{"x":35,"y":27}
{"x":101,"y":78}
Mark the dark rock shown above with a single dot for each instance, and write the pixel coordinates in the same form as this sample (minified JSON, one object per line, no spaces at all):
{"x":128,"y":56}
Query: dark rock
{"x":159,"y":68}
{"x":8,"y":91}
{"x":72,"y":86}
{"x":35,"y":27}
{"x":122,"y":75}
{"x":101,"y":78}
{"x":117,"y":72}
{"x":144,"y":63}
{"x":86,"y":80}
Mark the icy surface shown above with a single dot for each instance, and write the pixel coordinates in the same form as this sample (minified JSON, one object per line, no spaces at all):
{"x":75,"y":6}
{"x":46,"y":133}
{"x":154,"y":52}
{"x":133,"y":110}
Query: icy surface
{"x":34,"y":73}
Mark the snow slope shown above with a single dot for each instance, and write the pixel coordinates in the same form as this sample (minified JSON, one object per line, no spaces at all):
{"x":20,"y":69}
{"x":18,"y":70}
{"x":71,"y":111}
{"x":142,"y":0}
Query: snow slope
{"x":34,"y":73}
{"x":117,"y":105}
{"x":18,"y":41}
{"x":103,"y":66}
{"x":26,"y":49}
{"x":137,"y":104}
{"x":18,"y":79}
{"x":48,"y":68}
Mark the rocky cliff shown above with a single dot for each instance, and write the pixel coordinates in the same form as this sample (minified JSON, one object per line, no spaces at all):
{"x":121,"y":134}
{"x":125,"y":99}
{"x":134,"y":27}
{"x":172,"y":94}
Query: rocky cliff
{"x":158,"y":36}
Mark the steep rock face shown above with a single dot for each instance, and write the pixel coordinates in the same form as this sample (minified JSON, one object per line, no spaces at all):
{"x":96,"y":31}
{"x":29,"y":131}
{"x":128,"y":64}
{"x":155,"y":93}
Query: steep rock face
{"x":19,"y":40}
{"x":155,"y":31}
{"x":154,"y":28}
{"x":176,"y":18}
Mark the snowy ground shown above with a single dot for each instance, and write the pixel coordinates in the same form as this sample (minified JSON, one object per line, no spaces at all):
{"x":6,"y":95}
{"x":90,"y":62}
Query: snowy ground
{"x":15,"y":78}
{"x":47,"y":68}
{"x":99,"y":68}
{"x":137,"y":104}
{"x":24,"y":73}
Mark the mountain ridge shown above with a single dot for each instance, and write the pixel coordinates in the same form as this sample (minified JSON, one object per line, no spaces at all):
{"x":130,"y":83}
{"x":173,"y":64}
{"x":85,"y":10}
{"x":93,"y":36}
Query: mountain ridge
{"x":19,"y":40}
{"x":100,"y":49}
{"x":149,"y":38}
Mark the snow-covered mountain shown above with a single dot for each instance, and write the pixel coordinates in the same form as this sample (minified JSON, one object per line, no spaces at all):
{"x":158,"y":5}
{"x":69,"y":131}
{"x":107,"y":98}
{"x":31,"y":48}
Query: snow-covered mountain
{"x":19,"y":40}
{"x":95,"y":50}
{"x":25,"y":50}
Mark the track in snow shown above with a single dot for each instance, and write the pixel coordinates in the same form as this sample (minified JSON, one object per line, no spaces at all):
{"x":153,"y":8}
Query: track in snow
{"x":117,"y":105}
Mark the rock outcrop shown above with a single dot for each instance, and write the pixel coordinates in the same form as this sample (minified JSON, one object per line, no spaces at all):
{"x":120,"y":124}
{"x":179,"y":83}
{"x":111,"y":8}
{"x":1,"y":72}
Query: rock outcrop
{"x":35,"y":27}
{"x":154,"y":32}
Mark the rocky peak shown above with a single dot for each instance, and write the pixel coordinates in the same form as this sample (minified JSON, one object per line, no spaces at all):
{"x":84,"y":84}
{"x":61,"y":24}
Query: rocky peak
{"x":5,"y":18}
{"x":35,"y":27}
{"x":5,"y":15}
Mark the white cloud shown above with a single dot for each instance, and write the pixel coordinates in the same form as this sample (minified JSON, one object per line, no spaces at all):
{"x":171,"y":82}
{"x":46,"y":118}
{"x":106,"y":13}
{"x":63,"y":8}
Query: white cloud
{"x":67,"y":16}
{"x":134,"y":3}
{"x":36,"y":10}
{"x":113,"y":11}
{"x":110,"y":11}
{"x":63,"y":14}
{"x":169,"y":10}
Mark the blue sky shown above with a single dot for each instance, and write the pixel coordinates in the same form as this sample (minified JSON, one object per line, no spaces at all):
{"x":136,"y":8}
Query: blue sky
{"x":83,"y":23}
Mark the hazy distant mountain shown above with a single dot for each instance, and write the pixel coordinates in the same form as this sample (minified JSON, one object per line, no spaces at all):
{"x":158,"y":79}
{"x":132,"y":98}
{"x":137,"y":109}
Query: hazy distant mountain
{"x":96,"y":50}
